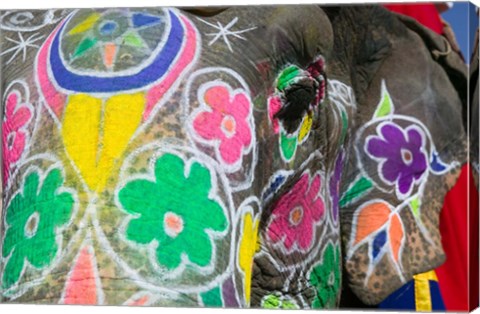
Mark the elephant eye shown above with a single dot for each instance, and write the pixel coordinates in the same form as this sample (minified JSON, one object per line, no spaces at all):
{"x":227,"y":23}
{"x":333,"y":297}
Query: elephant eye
{"x":300,"y":91}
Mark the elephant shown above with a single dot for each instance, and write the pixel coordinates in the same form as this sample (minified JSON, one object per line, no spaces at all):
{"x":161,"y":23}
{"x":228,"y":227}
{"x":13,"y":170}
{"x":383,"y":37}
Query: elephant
{"x":262,"y":156}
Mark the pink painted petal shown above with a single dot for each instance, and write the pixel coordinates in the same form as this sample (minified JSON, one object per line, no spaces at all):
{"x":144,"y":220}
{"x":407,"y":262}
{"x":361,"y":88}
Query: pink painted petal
{"x":240,"y":107}
{"x":17,"y":149}
{"x":317,"y":210}
{"x":305,"y":236}
{"x":81,"y":286}
{"x":207,"y":125}
{"x":243,"y":132}
{"x":217,"y":97}
{"x":290,"y":239}
{"x":11,"y":103}
{"x":275,"y":230}
{"x":231,"y":150}
{"x":21,"y":117}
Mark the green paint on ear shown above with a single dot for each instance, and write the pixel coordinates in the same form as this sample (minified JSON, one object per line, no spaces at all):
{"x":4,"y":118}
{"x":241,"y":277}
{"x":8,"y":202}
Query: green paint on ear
{"x":212,"y":298}
{"x":415,"y":206}
{"x":84,"y":46}
{"x":357,"y":190}
{"x":287,"y":76}
{"x":288,"y":146}
{"x":385,"y":107}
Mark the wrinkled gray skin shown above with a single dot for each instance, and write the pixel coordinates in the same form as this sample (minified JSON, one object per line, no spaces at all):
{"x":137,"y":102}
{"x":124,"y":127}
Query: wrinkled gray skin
{"x":361,"y":46}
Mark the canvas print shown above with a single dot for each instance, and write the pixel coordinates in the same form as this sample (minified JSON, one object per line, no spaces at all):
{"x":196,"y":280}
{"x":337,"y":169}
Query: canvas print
{"x":281,"y":157}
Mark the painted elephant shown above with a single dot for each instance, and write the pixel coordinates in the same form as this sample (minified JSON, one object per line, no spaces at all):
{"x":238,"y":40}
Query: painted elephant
{"x":234,"y":157}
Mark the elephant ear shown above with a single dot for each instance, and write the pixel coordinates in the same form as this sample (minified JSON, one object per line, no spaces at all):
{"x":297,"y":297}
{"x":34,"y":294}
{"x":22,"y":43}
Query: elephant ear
{"x":406,"y":152}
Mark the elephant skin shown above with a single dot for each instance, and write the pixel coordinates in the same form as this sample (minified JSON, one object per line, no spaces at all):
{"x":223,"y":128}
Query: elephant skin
{"x":245,"y":156}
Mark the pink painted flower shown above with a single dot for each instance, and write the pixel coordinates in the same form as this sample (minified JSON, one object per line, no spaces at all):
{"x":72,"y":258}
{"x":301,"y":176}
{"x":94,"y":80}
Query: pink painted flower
{"x":14,"y":136}
{"x":296,"y":214}
{"x":226,"y":122}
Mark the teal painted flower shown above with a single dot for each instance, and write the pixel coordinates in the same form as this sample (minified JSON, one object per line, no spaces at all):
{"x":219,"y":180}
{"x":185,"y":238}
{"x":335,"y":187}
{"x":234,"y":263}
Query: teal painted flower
{"x":276,"y":301}
{"x":32,"y":220}
{"x":176,"y":210}
{"x":325,"y":277}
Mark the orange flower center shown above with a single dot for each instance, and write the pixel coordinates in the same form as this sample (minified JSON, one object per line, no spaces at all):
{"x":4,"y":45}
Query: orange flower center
{"x":296,"y":216}
{"x":228,"y":126}
{"x":173,"y":224}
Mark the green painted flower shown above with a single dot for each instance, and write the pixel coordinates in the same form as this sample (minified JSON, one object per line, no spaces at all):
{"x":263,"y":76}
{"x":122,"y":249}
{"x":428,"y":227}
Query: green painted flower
{"x":325,"y":277}
{"x":32,"y":219}
{"x":275,"y":301}
{"x":176,"y":210}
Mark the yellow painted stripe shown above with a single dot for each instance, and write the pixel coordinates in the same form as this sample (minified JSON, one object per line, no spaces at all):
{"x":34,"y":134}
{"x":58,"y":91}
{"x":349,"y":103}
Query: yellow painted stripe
{"x":96,"y":134}
{"x":123,"y":114}
{"x":423,"y":300}
{"x":85,"y":25}
{"x":81,"y":122}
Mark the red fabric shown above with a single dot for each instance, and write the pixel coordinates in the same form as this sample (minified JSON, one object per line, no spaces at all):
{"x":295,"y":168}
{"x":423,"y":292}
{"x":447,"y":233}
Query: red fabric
{"x":425,"y":13}
{"x":454,"y":275}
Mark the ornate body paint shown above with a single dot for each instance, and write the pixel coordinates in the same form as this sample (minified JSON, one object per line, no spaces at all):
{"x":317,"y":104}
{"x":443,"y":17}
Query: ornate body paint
{"x":191,"y":162}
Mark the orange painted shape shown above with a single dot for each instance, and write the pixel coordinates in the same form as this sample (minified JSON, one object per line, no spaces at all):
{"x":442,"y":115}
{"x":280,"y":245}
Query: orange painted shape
{"x":370,"y":218}
{"x":110,"y":50}
{"x":139,"y":302}
{"x":395,"y":234}
{"x":81,"y":286}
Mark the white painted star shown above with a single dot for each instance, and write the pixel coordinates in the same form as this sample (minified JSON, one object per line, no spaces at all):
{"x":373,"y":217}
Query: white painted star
{"x":21,"y":46}
{"x":224,"y":32}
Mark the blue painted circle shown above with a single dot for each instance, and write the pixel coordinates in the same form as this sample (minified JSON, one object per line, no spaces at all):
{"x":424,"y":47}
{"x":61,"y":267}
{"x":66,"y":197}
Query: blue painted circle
{"x":90,"y":83}
{"x":108,"y":28}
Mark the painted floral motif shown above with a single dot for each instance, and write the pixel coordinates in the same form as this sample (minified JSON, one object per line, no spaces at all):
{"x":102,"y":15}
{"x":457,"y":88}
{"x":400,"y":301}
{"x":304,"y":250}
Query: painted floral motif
{"x":296,"y":214}
{"x":276,"y":301}
{"x":14,"y":133}
{"x":288,"y":77}
{"x":247,"y":248}
{"x":32,"y":219}
{"x":334,"y":185}
{"x":400,"y":153}
{"x":226,"y":121}
{"x":325,"y":277}
{"x":383,"y":234}
{"x":161,"y":211}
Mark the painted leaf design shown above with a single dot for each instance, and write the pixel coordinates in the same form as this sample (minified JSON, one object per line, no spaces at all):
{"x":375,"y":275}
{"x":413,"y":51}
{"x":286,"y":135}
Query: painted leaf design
{"x":370,"y":218}
{"x":396,"y":234}
{"x":385,"y":107}
{"x":415,"y":206}
{"x":437,"y":165}
{"x":357,"y":190}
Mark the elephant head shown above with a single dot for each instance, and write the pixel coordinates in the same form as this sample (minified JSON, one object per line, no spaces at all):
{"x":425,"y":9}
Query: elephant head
{"x":166,"y":157}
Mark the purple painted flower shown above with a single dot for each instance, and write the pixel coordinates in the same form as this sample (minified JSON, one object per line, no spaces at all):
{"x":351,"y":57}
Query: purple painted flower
{"x":334,"y":185}
{"x":401,"y":155}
